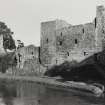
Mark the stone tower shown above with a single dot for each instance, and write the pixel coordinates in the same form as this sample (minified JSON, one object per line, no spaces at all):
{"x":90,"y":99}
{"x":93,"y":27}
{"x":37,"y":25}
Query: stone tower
{"x":48,"y":41}
{"x":100,"y":27}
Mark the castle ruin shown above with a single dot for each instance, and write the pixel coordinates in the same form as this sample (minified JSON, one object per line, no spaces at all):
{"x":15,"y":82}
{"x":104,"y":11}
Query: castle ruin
{"x":61,"y":41}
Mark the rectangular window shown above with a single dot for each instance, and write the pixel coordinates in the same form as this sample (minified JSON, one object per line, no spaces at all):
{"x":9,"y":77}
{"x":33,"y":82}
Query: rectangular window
{"x":95,"y":22}
{"x":60,"y":43}
{"x":68,"y":53}
{"x":76,"y":41}
{"x":83,"y":30}
{"x":47,"y":40}
{"x":61,"y":33}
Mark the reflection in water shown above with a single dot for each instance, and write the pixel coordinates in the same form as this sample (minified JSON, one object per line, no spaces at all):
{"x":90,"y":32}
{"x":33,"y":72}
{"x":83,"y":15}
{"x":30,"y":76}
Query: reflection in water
{"x":7,"y":93}
{"x":29,"y":93}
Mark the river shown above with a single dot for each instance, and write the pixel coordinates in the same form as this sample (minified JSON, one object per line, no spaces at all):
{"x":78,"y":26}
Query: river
{"x":30,"y":93}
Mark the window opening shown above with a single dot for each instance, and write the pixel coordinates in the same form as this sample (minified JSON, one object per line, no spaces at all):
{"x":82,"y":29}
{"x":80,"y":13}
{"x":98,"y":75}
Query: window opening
{"x":83,"y":30}
{"x":61,"y":33}
{"x":95,"y":22}
{"x":68,"y":53}
{"x":19,"y":55}
{"x":47,"y":40}
{"x":76,"y":41}
{"x":60,"y":42}
{"x":56,"y":61}
{"x":32,"y":53}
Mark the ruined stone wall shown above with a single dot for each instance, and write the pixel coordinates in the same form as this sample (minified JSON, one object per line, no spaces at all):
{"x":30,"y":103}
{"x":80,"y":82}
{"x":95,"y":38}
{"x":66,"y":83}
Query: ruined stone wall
{"x":75,"y":42}
{"x":26,"y":53}
{"x":88,"y":36}
{"x":65,"y":42}
{"x":68,"y":38}
{"x":61,"y":41}
{"x":31,"y":66}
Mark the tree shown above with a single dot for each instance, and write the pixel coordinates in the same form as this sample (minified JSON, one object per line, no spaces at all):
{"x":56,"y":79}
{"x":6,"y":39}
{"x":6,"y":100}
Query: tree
{"x":7,"y":61}
{"x":8,"y":41}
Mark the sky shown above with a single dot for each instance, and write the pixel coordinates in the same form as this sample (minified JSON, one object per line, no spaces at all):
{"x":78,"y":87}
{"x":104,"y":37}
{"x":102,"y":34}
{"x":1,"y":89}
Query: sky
{"x":23,"y":17}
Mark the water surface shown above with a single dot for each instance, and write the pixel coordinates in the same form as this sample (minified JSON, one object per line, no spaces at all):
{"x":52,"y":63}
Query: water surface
{"x":30,"y":93}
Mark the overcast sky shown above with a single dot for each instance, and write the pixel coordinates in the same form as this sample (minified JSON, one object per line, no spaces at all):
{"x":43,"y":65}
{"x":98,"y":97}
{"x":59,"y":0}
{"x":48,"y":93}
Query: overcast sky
{"x":24,"y":16}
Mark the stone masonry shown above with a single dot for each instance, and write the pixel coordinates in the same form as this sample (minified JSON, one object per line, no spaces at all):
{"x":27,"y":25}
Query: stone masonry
{"x":25,"y":54}
{"x":28,"y":61}
{"x":61,"y":41}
